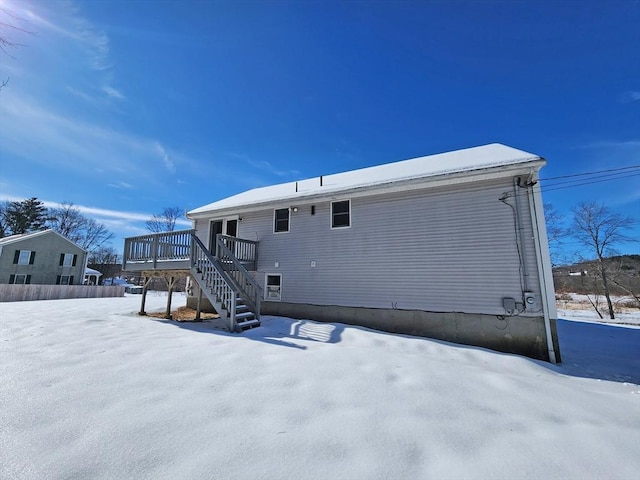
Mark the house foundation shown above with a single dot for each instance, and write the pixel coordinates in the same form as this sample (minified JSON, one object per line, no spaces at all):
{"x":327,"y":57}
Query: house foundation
{"x":516,"y":334}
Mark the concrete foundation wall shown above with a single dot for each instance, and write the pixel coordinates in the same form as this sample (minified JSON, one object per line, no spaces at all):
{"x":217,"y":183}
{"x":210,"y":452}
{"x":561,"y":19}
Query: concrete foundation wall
{"x":521,"y":335}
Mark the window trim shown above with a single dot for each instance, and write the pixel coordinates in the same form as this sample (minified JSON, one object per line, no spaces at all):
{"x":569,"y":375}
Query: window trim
{"x":275,"y":210}
{"x":266,"y":287}
{"x":25,"y":281}
{"x":72,"y":259}
{"x":19,"y":257}
{"x":60,"y":278}
{"x":331,"y":214}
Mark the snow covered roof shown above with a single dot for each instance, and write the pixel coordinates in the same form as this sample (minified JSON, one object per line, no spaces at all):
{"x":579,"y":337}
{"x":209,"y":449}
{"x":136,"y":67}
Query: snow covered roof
{"x":24,"y":236}
{"x":468,"y":160}
{"x":91,"y":271}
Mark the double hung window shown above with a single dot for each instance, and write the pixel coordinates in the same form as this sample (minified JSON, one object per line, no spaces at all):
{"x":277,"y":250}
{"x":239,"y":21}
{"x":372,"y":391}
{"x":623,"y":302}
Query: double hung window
{"x":24,"y":257}
{"x":281,"y":220}
{"x":341,"y":214}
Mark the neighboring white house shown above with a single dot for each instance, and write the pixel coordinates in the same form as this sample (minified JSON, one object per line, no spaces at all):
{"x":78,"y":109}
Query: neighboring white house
{"x":451,"y":246}
{"x":91,"y":276}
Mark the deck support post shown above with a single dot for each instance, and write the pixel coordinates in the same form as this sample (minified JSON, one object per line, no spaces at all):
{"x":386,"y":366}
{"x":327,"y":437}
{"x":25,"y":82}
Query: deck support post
{"x":145,"y":286}
{"x":171,"y":281}
{"x":199,"y":305}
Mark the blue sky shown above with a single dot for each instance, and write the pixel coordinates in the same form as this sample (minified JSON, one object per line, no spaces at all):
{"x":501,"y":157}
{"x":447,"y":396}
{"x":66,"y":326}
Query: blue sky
{"x":126,"y":107}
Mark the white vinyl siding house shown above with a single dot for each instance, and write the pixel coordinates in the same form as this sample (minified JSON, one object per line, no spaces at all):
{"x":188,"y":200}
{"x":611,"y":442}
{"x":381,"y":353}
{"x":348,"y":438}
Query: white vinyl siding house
{"x":450,"y":246}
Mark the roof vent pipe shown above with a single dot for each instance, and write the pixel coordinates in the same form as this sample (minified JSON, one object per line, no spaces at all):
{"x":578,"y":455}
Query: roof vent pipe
{"x":296,"y":187}
{"x":320,"y":180}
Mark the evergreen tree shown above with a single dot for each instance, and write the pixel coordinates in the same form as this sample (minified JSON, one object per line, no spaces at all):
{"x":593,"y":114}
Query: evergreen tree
{"x":26,"y":216}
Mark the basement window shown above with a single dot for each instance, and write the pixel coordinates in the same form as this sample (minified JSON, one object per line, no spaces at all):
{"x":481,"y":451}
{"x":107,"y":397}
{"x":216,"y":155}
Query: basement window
{"x":273,"y":291}
{"x":281,"y":220}
{"x":341,"y":214}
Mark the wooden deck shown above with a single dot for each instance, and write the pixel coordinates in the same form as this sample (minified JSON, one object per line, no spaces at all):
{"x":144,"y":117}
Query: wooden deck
{"x":168,"y":251}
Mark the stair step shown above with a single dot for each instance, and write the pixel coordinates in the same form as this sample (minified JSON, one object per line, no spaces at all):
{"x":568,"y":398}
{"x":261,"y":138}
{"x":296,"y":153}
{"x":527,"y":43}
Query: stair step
{"x":244,"y":315}
{"x":248,"y":324}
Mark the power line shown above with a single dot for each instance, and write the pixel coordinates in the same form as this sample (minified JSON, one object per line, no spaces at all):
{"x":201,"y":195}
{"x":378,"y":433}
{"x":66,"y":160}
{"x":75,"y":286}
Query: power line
{"x":612,"y":176}
{"x":579,"y":184}
{"x":591,"y":173}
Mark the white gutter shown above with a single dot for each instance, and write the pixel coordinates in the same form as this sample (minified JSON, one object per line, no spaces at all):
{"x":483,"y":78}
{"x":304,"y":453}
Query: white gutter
{"x":543,"y":260}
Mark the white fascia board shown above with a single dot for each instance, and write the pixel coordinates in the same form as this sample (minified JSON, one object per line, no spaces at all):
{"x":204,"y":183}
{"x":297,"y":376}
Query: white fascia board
{"x":528,"y":168}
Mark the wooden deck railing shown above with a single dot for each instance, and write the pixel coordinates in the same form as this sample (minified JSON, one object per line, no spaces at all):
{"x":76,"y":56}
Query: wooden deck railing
{"x":173,"y":250}
{"x":166,"y":250}
{"x":246,"y":251}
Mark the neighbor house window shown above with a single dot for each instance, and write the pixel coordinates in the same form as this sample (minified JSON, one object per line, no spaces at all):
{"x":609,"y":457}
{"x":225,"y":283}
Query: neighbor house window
{"x":68,"y":259}
{"x":24,"y":257}
{"x":20,"y":279}
{"x":281,"y":220}
{"x":341,"y":214}
{"x":274,"y":287}
{"x":64,"y":280}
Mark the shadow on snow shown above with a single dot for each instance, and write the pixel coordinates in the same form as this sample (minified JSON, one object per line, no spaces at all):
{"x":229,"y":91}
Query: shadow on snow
{"x":589,"y":350}
{"x":277,"y":331}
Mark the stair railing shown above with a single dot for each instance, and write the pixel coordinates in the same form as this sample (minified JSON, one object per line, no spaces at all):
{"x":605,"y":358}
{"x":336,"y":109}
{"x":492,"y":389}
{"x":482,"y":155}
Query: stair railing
{"x":246,"y":285}
{"x":214,"y":276}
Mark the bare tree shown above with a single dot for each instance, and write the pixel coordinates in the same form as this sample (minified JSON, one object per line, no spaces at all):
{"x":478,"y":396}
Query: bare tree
{"x":600,"y":229}
{"x":6,"y":30}
{"x":555,"y":232}
{"x":106,"y":260}
{"x":165,"y":221}
{"x":68,"y":221}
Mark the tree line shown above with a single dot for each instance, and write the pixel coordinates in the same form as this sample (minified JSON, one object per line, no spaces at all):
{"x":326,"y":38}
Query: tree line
{"x":600,"y":231}
{"x":31,"y":215}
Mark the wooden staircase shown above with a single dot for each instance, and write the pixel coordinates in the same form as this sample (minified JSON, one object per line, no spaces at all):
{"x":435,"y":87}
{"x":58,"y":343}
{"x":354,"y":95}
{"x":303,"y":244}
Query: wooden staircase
{"x":226,"y":282}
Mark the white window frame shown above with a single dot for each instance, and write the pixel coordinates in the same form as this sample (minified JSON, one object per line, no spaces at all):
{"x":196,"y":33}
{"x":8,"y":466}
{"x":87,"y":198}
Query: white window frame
{"x":266,"y":287}
{"x":288,"y":220}
{"x":18,"y":275}
{"x":68,"y":260}
{"x":331,"y":215}
{"x":24,"y":257}
{"x":62,"y":278}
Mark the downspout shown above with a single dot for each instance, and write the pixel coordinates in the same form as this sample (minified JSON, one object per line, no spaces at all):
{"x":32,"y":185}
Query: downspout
{"x":523,"y":252}
{"x":544,"y":273}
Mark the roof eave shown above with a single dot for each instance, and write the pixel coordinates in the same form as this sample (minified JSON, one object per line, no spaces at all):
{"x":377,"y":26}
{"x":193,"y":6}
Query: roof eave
{"x":430,"y":181}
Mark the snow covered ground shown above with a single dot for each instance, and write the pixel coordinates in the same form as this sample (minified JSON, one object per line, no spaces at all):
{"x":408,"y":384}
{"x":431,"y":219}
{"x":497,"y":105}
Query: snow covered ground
{"x":89,"y":390}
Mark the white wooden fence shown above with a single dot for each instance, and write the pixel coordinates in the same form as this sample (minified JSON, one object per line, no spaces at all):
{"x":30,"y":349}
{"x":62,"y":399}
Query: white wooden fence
{"x":20,"y":293}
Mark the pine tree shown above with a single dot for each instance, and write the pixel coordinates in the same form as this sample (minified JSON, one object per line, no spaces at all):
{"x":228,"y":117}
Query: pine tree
{"x":26,"y":216}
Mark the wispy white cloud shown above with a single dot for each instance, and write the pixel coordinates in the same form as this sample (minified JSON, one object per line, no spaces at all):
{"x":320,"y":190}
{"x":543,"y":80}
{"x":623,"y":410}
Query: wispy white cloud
{"x":265,"y":166}
{"x":124,"y":185}
{"x":116,"y":217}
{"x":73,"y":143}
{"x":113,"y":93}
{"x":630,"y":96}
{"x":611,"y":144}
{"x":168,"y":163}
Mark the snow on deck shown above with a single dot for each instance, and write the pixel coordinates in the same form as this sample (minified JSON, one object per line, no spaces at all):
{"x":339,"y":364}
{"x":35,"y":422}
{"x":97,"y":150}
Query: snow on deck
{"x":90,"y":390}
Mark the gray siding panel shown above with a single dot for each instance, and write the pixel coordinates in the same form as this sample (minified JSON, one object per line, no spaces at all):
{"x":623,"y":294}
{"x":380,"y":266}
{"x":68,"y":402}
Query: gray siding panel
{"x":46,"y":266}
{"x":440,"y":249}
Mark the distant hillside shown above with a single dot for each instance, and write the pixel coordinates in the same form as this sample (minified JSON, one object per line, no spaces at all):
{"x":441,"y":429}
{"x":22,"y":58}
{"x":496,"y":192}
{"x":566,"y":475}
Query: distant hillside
{"x":623,"y":272}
